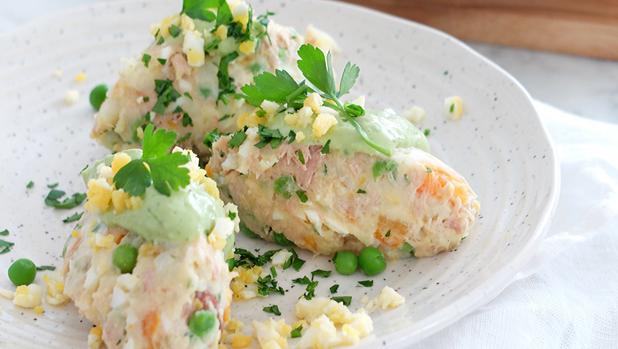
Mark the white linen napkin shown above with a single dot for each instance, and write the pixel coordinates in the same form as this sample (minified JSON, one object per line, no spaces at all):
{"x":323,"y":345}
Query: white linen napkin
{"x":567,"y":296}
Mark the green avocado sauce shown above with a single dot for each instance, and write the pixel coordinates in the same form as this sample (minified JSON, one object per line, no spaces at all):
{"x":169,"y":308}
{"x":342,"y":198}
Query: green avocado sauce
{"x":180,"y":217}
{"x":385,"y":127}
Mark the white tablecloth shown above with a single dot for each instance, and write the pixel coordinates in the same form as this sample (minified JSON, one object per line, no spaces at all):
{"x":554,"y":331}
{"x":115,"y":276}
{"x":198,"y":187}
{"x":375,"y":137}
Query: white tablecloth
{"x":567,"y":297}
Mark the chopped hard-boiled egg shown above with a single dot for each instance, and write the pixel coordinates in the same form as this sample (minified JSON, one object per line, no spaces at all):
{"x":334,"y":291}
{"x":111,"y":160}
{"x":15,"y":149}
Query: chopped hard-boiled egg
{"x":99,"y":195}
{"x":221,"y":32}
{"x":28,"y":296}
{"x":415,"y":114}
{"x":387,"y":299}
{"x":281,"y":257}
{"x":71,"y":97}
{"x":239,"y":340}
{"x":119,"y":161}
{"x":244,"y":285}
{"x":54,"y":290}
{"x":272,"y":334}
{"x":322,"y":124}
{"x":247,"y":47}
{"x":193,"y":47}
{"x":453,"y":107}
{"x":219,"y":234}
{"x":318,"y":38}
{"x":80,"y":77}
{"x":321,"y":333}
{"x":94,"y":338}
{"x":313,"y":101}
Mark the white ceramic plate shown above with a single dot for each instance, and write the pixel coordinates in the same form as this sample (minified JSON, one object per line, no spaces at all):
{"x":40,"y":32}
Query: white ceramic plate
{"x":499,"y":145}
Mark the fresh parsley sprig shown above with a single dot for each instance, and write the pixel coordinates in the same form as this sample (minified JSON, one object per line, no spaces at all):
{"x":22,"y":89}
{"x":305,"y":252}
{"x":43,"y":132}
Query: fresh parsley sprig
{"x":157,"y":167}
{"x":317,"y":69}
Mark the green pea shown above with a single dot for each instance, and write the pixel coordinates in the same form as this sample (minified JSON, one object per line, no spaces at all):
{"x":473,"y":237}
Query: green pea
{"x":22,"y":272}
{"x":98,"y":95}
{"x":371,"y":261}
{"x":125,"y":258}
{"x":346,"y":262}
{"x":201,"y":322}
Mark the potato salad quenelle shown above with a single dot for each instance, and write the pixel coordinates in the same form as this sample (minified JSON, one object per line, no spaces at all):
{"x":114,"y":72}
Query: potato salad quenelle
{"x":147,"y":262}
{"x":332,"y":176}
{"x":188,"y":79}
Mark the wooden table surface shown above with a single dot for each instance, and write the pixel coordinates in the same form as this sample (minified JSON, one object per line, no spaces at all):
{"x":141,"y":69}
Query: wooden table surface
{"x":581,"y":27}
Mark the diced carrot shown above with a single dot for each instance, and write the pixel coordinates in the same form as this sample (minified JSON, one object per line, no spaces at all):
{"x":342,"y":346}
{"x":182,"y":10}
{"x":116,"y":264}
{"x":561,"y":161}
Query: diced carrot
{"x":390,"y":233}
{"x":150,"y":324}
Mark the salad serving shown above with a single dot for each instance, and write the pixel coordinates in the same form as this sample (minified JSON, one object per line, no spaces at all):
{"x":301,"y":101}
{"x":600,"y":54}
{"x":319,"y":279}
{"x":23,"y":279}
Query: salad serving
{"x":228,"y":123}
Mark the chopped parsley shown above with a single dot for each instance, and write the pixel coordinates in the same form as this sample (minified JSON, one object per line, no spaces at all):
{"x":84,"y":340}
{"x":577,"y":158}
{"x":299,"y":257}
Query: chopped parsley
{"x":45,"y":268}
{"x":320,"y":273}
{"x":4,"y":232}
{"x":174,"y":30}
{"x":281,"y":240}
{"x":451,"y":108}
{"x":326,"y":147}
{"x":30,"y":185}
{"x":366,"y":283}
{"x":205,"y":92}
{"x":146,"y":59}
{"x":73,"y":218}
{"x":346,"y":300}
{"x":186,"y":120}
{"x":226,"y":85}
{"x":381,"y":167}
{"x":297,"y":332}
{"x":273,"y":309}
{"x":249,"y":260}
{"x":162,"y":61}
{"x":426,"y":132}
{"x":211,"y":137}
{"x":238,"y":138}
{"x":270,"y":136}
{"x":53,"y":199}
{"x":294,"y":261}
{"x":302,"y":281}
{"x":310,"y":290}
{"x":157,"y":167}
{"x":52,"y":185}
{"x":225,"y":117}
{"x":334,"y":288}
{"x":285,"y":186}
{"x":247,"y":232}
{"x":231,"y":215}
{"x":166,"y":94}
{"x":5,"y":246}
{"x":361,"y":191}
{"x":300,"y":156}
{"x":302,"y":196}
{"x":268,"y":285}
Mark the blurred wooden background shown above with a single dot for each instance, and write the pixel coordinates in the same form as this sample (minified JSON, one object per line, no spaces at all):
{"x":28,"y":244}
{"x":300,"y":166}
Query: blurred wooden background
{"x":581,"y":27}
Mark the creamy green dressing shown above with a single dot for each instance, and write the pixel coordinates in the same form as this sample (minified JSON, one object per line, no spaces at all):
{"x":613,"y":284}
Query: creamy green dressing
{"x":182,"y":216}
{"x":386,"y":128}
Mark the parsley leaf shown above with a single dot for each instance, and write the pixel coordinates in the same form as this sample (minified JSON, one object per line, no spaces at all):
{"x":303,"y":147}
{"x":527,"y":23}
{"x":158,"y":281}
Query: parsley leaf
{"x":237,"y":139}
{"x":45,"y":268}
{"x":5,"y":232}
{"x":320,"y":273}
{"x":314,"y":67}
{"x":225,"y":81}
{"x":366,"y":283}
{"x":270,"y":136}
{"x":157,"y":166}
{"x":272,"y":87}
{"x":211,"y":137}
{"x":348,"y":78}
{"x":198,"y":9}
{"x":346,"y":300}
{"x":166,"y":94}
{"x":273,"y":309}
{"x":53,"y":199}
{"x":268,"y":285}
{"x":297,"y":332}
{"x":73,"y":218}
{"x":381,"y":167}
{"x":6,"y":246}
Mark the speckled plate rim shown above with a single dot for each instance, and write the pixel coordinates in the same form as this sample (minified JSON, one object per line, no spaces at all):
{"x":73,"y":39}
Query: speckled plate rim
{"x":493,"y":285}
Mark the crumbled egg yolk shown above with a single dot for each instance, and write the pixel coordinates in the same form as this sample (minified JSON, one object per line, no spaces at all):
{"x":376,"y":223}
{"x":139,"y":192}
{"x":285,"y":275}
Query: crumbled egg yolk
{"x":76,"y":234}
{"x":239,"y":340}
{"x":221,"y":32}
{"x":313,"y":101}
{"x":80,"y":77}
{"x":193,"y":47}
{"x":247,"y":47}
{"x":99,"y":195}
{"x":119,"y":161}
{"x":249,"y":120}
{"x":94,"y":338}
{"x":387,"y":299}
{"x":54,"y":290}
{"x":322,"y":124}
{"x":28,"y":296}
{"x":186,"y":23}
{"x":243,"y":286}
{"x":39,"y":310}
{"x":272,"y":334}
{"x":101,"y":241}
{"x":454,"y":107}
{"x":71,"y":97}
